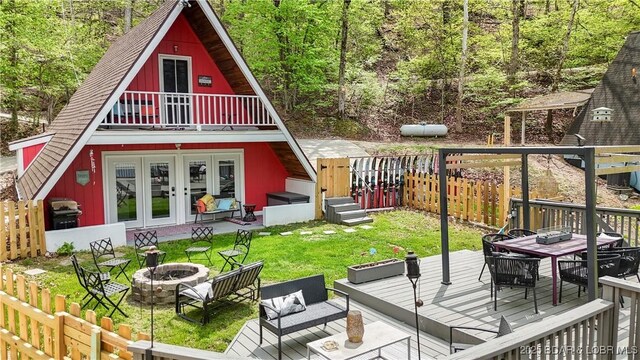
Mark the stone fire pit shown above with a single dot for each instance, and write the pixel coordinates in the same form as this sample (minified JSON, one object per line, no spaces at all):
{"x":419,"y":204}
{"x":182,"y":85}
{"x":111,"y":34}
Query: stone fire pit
{"x":165,"y":280}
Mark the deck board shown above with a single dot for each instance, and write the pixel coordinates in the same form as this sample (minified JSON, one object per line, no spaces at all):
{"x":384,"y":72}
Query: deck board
{"x":467,"y":301}
{"x":294,"y":346}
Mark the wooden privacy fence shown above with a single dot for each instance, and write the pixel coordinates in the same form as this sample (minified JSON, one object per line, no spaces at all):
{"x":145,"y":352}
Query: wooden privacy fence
{"x":468,"y":200}
{"x":32,"y":327}
{"x":22,"y":231}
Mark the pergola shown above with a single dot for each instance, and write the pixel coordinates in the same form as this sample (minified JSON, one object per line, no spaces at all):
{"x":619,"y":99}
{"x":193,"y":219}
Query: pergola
{"x":504,"y":156}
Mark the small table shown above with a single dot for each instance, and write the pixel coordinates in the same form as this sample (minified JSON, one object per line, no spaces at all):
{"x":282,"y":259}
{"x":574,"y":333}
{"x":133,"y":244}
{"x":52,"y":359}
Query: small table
{"x":376,"y":336}
{"x":528,"y":245}
{"x":248,"y":212}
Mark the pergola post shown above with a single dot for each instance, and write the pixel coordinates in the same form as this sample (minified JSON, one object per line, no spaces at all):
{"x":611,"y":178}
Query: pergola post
{"x":444,"y":219}
{"x":526,"y":222}
{"x":590,"y":220}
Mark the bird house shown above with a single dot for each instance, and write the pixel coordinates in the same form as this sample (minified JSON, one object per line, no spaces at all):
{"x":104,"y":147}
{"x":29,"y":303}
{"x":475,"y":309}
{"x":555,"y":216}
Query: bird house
{"x":601,"y":114}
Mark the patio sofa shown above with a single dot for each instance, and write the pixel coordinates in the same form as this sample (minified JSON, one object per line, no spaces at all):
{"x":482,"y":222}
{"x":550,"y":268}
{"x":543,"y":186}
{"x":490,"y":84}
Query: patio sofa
{"x":318,"y":309}
{"x":242,"y":282}
{"x":236,"y":205}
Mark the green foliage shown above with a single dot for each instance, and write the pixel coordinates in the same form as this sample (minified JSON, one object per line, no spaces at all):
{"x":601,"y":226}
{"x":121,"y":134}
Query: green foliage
{"x":66,"y":249}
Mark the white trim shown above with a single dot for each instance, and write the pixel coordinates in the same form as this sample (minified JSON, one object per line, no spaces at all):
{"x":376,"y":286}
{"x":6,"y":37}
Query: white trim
{"x":222,"y":33}
{"x":86,"y":135}
{"x":184,"y":137}
{"x":19,"y":144}
{"x":20,"y":162}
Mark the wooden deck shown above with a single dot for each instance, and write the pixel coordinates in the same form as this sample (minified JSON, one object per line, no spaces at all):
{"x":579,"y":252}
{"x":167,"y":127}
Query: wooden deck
{"x":466,"y":302}
{"x":294,"y":346}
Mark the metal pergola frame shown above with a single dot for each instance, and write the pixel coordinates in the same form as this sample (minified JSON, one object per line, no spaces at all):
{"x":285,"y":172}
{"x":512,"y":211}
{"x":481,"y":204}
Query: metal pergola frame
{"x":587,"y":153}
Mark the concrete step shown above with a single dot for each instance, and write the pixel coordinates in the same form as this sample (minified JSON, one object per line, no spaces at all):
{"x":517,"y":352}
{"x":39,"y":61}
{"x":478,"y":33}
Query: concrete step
{"x":344,"y":215}
{"x":343,"y":207}
{"x":338,"y":200}
{"x":357,"y":221}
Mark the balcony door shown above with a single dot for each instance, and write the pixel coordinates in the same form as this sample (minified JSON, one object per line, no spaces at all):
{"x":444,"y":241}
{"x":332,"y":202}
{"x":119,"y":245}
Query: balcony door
{"x":175,"y":83}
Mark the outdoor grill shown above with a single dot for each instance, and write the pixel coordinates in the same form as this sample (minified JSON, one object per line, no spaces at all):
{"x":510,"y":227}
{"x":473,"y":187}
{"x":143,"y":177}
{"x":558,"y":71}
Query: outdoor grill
{"x":64,"y":213}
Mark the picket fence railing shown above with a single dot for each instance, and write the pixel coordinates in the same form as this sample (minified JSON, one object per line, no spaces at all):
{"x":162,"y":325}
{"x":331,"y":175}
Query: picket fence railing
{"x":34,"y":327}
{"x":468,"y":200}
{"x":22,"y":231}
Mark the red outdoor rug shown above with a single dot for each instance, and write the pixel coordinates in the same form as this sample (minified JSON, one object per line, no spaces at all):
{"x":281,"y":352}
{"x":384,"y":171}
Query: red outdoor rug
{"x":237,"y":221}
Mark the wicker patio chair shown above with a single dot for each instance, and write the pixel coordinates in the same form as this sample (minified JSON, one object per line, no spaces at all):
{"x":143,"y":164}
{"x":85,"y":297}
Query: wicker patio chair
{"x":454,"y":347}
{"x":621,"y":242}
{"x":576,"y":271}
{"x":513,"y":272}
{"x":629,"y":260}
{"x":99,"y":287}
{"x":240,"y":249}
{"x":103,"y":249}
{"x":142,"y":242}
{"x":201,"y":243}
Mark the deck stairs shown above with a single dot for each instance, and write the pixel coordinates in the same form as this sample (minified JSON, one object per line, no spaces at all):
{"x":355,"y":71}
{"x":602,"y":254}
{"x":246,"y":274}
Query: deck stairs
{"x":344,"y":210}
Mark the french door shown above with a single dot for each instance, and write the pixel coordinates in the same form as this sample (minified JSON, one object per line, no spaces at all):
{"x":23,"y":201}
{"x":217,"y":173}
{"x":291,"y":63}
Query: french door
{"x":176,"y":84}
{"x":218,"y":174}
{"x":124,"y":189}
{"x":160,"y":190}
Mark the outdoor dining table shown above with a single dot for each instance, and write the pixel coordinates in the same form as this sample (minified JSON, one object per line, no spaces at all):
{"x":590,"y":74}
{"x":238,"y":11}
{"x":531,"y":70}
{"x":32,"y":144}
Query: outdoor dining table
{"x":528,"y":245}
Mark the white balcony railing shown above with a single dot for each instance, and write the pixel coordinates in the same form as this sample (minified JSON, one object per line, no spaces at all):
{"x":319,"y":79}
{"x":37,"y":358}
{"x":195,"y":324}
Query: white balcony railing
{"x":162,"y":109}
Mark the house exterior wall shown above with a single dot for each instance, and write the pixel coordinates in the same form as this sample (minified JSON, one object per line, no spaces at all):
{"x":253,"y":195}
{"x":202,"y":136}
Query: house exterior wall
{"x":263,"y":172}
{"x":181,"y":35}
{"x":29,"y":153}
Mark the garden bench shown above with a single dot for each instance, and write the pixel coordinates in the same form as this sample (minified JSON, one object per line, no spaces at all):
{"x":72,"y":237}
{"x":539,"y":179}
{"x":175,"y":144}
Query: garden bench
{"x":318,"y":309}
{"x":206,"y":295}
{"x":218,"y":199}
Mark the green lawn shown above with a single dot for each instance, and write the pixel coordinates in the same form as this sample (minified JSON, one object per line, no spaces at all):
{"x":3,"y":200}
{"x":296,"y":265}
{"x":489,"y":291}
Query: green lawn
{"x":285,"y":257}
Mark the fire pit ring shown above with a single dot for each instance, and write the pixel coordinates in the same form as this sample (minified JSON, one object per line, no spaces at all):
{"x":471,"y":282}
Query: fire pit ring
{"x":166,"y":278}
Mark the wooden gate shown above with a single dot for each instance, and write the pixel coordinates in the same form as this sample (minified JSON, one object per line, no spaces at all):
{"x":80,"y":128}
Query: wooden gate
{"x":333,"y":181}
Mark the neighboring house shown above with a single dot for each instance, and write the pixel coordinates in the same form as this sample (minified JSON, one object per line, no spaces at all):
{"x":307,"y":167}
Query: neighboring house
{"x":170,"y":112}
{"x":618,"y":90}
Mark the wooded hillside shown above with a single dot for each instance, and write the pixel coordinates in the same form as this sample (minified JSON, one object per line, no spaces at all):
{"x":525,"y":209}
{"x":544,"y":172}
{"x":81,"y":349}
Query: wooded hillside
{"x":351,"y":68}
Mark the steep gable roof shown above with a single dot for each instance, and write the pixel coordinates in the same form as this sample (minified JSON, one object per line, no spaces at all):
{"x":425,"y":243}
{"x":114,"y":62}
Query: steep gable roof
{"x":90,"y":103}
{"x":619,"y":91}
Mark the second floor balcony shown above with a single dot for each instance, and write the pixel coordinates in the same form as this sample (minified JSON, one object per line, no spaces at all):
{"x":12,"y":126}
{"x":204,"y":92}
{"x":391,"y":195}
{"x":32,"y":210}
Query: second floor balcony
{"x":140,"y":109}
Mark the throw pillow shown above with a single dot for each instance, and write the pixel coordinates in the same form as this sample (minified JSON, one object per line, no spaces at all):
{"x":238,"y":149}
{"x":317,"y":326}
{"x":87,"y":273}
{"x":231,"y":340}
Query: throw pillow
{"x":209,"y":201}
{"x":287,"y":304}
{"x":234,"y":204}
{"x":224,"y":204}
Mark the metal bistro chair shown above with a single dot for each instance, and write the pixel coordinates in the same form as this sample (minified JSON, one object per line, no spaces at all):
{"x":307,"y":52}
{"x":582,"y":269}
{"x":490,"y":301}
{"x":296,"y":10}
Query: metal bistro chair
{"x":99,"y":287}
{"x":103,"y":249}
{"x":201,"y":243}
{"x":240,"y":249}
{"x":142,"y":242}
{"x":513,"y":272}
{"x":576,"y":271}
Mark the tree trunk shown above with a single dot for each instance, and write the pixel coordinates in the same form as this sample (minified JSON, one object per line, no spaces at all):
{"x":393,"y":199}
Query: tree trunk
{"x":128,"y":5}
{"x":463,"y":62}
{"x":523,"y":9}
{"x":515,"y":38}
{"x":343,"y":59}
{"x":547,"y":7}
{"x":12,"y":75}
{"x":548,"y":125}
{"x":565,"y":46}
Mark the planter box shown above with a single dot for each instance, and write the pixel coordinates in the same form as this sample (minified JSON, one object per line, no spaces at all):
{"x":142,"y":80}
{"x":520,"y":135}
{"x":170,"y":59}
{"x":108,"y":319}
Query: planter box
{"x":375,"y":270}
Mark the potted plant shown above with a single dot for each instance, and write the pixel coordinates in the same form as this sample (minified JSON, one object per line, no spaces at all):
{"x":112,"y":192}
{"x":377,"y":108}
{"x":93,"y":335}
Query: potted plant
{"x":357,"y":274}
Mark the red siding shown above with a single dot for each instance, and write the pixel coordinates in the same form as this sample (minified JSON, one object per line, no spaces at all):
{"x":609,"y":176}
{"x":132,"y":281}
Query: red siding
{"x":263,"y":173}
{"x":29,"y":154}
{"x":181,"y":35}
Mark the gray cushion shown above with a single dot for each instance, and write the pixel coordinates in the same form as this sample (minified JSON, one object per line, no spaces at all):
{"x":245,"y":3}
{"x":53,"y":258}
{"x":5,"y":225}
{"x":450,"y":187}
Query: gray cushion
{"x":201,"y":291}
{"x":315,"y":311}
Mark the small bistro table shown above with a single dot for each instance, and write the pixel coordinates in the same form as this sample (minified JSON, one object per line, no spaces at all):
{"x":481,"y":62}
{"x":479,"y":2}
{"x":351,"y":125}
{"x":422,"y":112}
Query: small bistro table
{"x":528,"y":245}
{"x":377,"y":335}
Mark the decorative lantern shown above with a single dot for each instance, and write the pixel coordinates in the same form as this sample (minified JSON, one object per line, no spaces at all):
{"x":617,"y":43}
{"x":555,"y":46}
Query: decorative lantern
{"x":601,"y":114}
{"x":413,"y":267}
{"x":152,"y":257}
{"x":355,"y":326}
